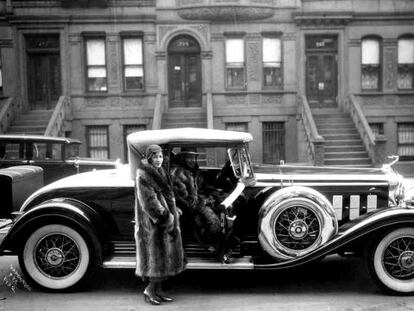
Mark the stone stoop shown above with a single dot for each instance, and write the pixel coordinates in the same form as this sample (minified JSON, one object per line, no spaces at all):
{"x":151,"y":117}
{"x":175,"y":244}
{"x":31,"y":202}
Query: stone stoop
{"x":33,"y":122}
{"x":343,"y":144}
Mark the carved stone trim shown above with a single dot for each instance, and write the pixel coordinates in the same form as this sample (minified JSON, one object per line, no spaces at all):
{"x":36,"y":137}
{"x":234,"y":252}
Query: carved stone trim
{"x":236,"y":100}
{"x":253,"y":61}
{"x":163,"y":30}
{"x":322,"y":20}
{"x":160,"y":55}
{"x":390,"y":67}
{"x":217,"y":37}
{"x":150,"y":37}
{"x":225,"y":13}
{"x":354,"y":42}
{"x":206,"y":54}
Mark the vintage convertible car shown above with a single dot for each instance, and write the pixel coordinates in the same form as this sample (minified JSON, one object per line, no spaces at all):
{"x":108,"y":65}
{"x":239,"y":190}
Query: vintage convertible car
{"x":58,"y":156}
{"x":285,"y":218}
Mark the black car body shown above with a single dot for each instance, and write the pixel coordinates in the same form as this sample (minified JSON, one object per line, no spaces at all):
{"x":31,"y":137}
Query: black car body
{"x":289,"y":217}
{"x":58,"y":156}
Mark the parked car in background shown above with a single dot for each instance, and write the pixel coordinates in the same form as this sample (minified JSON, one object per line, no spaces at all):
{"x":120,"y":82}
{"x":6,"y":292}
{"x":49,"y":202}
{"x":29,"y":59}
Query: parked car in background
{"x":58,"y":156}
{"x":290,"y":217}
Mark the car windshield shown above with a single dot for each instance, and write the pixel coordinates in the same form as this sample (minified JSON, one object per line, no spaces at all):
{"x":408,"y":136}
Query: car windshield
{"x":240,"y":161}
{"x":71,"y":151}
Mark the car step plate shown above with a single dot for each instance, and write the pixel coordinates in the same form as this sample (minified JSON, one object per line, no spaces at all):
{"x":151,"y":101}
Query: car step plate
{"x":193,"y":263}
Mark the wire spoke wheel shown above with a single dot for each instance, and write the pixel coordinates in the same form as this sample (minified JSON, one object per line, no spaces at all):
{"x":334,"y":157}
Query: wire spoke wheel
{"x":57,"y":255}
{"x":297,"y":228}
{"x":398,"y":258}
{"x":390,"y":260}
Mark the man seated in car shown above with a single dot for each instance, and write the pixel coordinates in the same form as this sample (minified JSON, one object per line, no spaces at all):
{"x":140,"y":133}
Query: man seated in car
{"x":193,"y":198}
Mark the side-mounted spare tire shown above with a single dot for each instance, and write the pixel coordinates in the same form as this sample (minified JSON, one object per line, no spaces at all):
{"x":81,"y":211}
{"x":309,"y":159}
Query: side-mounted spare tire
{"x":58,"y":257}
{"x":294,"y":221}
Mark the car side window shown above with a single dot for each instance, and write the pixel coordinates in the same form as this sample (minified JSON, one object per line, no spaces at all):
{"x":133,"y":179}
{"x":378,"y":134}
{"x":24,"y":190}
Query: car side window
{"x":12,"y":151}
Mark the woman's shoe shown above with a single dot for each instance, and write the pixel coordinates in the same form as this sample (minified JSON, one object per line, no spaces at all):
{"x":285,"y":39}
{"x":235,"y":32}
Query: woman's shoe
{"x":152,"y":299}
{"x":165,"y":298}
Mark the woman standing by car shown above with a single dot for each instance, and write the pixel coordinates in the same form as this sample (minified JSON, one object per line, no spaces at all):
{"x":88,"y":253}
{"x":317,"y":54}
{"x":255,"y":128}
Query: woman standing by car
{"x":160,"y":252}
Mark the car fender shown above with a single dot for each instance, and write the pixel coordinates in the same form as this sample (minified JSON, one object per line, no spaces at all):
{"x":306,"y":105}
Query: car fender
{"x":360,"y":228}
{"x":60,"y":210}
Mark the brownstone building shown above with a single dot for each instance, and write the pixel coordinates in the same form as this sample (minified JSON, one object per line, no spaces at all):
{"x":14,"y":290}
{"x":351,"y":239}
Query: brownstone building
{"x":318,"y":81}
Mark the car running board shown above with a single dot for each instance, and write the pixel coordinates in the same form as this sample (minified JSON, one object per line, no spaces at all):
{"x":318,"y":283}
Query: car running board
{"x":196,"y":263}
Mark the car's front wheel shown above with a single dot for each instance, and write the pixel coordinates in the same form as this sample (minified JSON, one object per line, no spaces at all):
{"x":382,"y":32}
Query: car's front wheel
{"x":56,"y":257}
{"x":390,"y":260}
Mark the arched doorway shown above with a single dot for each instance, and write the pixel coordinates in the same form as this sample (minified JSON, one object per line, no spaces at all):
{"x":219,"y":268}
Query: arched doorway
{"x":184,"y":72}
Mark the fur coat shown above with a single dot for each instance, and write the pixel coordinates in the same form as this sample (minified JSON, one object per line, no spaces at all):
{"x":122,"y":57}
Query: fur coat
{"x":159,"y":246}
{"x":189,"y":190}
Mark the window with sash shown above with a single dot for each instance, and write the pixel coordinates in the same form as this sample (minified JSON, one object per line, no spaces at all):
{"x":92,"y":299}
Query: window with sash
{"x":405,"y":141}
{"x":237,"y":126}
{"x":370,"y":64}
{"x":97,"y":138}
{"x":272,"y":62}
{"x":406,"y":63}
{"x":235,"y":64}
{"x":133,"y":65}
{"x":128,"y":129}
{"x":96,"y":75}
{"x":273,"y":142}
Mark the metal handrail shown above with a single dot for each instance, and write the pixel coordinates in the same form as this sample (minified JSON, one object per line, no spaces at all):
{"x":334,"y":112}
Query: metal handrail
{"x":311,"y":132}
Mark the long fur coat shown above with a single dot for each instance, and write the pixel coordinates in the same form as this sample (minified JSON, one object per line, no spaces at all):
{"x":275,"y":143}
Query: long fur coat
{"x":191,"y":197}
{"x":159,"y":245}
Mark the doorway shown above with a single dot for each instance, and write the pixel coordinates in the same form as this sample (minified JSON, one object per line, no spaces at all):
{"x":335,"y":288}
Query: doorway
{"x":184,"y":72}
{"x":43,"y":70}
{"x":321,"y":71}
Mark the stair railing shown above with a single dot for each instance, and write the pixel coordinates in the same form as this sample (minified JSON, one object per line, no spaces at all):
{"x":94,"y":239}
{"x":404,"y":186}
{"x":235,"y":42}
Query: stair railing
{"x":62,"y":112}
{"x":315,"y":143}
{"x":375,"y":145}
{"x":158,"y":111}
{"x":9,"y":110}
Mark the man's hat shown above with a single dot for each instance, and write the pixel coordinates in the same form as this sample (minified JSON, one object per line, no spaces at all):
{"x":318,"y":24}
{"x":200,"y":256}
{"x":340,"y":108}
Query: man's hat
{"x":188,"y":150}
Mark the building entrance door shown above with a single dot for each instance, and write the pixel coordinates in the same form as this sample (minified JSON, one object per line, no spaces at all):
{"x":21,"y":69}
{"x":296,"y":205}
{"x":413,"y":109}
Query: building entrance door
{"x":184,"y":73}
{"x":321,"y":71}
{"x":43,"y":71}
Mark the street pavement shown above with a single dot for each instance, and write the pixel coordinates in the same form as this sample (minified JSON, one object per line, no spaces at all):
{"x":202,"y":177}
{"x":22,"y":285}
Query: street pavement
{"x":335,"y":283}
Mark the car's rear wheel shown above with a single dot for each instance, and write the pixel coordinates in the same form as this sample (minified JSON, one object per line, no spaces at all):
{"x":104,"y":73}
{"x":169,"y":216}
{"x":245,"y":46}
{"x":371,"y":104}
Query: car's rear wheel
{"x":57,"y":257}
{"x":390,"y":260}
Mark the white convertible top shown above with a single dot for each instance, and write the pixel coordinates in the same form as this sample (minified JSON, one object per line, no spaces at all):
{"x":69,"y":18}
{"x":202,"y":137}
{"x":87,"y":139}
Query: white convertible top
{"x":138,"y":141}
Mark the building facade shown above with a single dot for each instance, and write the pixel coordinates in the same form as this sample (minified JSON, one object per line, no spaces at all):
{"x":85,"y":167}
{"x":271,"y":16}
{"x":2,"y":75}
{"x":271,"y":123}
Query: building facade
{"x":275,"y":68}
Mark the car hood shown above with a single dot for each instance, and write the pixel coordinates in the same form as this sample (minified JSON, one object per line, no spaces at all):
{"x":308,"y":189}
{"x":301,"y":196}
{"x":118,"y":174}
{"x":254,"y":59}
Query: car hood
{"x":297,"y":174}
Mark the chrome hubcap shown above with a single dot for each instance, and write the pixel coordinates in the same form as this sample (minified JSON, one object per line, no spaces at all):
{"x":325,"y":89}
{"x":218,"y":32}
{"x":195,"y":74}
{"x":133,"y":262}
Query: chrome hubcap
{"x":298,"y":229}
{"x":54,"y":257}
{"x":407,"y":260}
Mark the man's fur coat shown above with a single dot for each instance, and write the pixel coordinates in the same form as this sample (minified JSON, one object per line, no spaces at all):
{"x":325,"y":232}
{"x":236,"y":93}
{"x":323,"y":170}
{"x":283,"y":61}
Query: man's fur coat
{"x":159,"y":245}
{"x":191,"y":198}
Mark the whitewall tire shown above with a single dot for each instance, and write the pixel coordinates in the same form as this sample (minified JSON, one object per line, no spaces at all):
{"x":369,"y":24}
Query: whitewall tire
{"x":57,"y":258}
{"x":390,"y":260}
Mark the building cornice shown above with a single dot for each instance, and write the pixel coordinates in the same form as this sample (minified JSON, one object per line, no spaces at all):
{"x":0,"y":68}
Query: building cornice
{"x":322,"y":19}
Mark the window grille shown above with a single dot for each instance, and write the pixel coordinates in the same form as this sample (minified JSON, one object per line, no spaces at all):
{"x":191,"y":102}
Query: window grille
{"x":406,"y":141}
{"x":98,"y":142}
{"x":273,"y":142}
{"x":128,"y":129}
